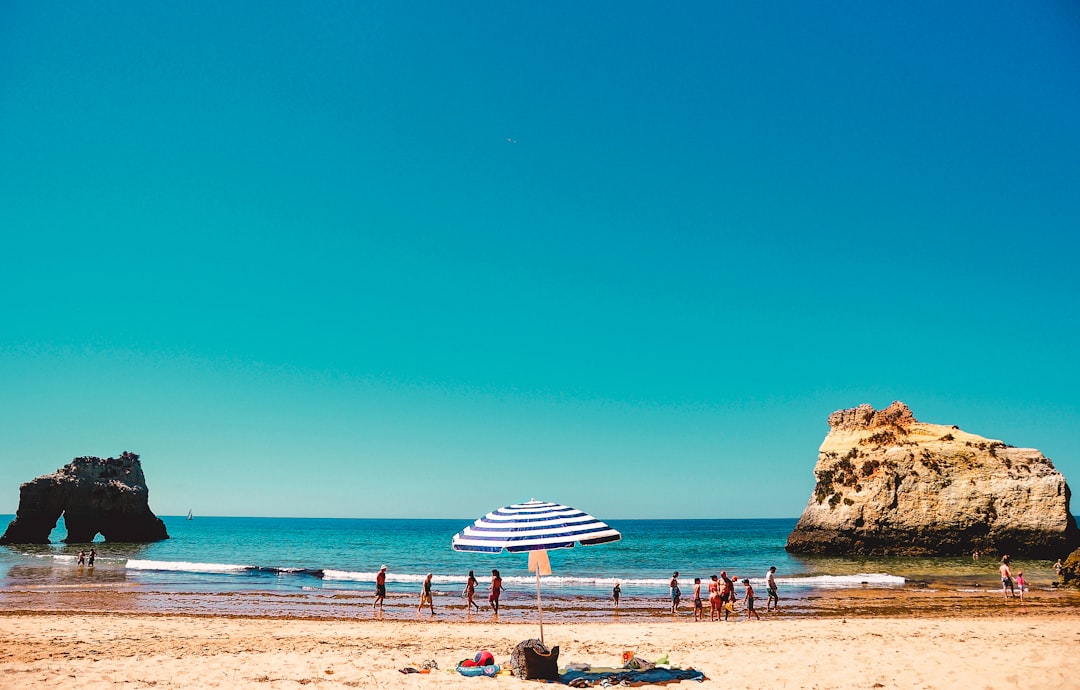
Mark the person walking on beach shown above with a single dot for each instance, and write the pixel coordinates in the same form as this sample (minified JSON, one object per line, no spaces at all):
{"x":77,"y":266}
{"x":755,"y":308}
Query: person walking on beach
{"x":714,"y":599}
{"x":496,"y":590}
{"x":1006,"y":578}
{"x":770,"y":589}
{"x":470,"y":592}
{"x":676,"y":593}
{"x":749,"y":600}
{"x":697,"y":598}
{"x":425,"y":596}
{"x":1058,"y":567}
{"x":90,"y":560}
{"x":616,"y":592}
{"x":380,"y":589}
{"x":1020,"y":583}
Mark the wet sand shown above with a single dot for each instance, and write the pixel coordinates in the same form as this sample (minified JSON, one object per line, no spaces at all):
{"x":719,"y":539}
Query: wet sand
{"x":893,"y":638}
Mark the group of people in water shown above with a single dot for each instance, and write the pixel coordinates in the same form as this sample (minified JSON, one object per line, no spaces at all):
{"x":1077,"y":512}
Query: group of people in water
{"x":721,"y":592}
{"x":83,"y":560}
{"x":494,"y":592}
{"x":722,"y":596}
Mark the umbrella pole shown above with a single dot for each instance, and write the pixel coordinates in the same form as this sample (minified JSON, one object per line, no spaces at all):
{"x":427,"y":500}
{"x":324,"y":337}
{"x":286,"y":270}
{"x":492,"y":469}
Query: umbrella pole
{"x":539,"y":607}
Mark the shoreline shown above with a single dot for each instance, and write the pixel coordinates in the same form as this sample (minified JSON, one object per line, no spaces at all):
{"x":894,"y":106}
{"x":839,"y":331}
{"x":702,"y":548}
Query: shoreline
{"x":113,"y":650}
{"x":915,"y":600}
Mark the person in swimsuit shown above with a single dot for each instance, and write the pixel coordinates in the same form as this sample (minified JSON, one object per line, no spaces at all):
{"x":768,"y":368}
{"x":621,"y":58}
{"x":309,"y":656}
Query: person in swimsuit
{"x":82,"y":558}
{"x":496,"y":590}
{"x":90,"y":559}
{"x":1020,"y":583}
{"x":425,"y":596}
{"x":616,"y":592}
{"x":697,"y":598}
{"x":749,"y":600}
{"x":714,"y":599}
{"x":770,"y":589}
{"x":380,"y":589}
{"x":676,"y":593}
{"x":470,"y":592}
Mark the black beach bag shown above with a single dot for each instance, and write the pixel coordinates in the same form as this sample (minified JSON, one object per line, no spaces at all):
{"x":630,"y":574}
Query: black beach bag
{"x":532,"y":660}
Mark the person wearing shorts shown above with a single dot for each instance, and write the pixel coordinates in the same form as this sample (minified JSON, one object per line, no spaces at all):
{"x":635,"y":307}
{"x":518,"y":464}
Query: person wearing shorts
{"x":770,"y":589}
{"x":380,"y":589}
{"x":749,"y":601}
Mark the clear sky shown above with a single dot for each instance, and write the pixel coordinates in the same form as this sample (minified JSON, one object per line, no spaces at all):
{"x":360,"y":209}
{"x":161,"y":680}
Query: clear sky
{"x":369,"y":259}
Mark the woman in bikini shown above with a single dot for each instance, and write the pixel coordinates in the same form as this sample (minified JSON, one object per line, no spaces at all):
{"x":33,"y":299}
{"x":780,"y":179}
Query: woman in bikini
{"x":470,"y":591}
{"x":714,"y":599}
{"x":496,"y":590}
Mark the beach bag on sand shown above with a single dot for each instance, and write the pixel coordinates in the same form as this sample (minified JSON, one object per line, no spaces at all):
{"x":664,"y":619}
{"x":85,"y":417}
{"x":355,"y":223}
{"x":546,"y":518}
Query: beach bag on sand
{"x":532,"y":660}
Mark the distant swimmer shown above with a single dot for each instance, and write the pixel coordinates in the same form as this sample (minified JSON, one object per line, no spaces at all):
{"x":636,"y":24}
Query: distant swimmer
{"x":511,"y":141}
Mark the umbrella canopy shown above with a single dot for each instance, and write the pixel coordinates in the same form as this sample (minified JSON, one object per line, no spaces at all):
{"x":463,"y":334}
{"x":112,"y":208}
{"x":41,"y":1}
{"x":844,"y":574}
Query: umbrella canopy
{"x":533,"y":527}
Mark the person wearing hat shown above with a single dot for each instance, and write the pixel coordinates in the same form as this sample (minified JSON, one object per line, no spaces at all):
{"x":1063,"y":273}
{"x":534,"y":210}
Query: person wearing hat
{"x":380,"y":588}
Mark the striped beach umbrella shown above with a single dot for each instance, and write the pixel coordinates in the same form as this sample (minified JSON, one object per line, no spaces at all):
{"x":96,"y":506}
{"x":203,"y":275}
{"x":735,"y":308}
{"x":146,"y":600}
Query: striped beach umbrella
{"x":534,"y":527}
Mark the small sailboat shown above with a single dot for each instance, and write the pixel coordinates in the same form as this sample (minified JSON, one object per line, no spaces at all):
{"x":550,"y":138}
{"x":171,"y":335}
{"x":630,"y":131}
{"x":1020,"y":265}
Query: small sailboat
{"x":189,"y":514}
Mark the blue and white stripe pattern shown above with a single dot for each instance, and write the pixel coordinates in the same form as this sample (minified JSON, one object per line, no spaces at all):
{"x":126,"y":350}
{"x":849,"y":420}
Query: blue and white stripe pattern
{"x":533,"y":526}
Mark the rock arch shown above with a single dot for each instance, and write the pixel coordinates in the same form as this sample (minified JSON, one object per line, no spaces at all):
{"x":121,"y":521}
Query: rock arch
{"x":106,"y":496}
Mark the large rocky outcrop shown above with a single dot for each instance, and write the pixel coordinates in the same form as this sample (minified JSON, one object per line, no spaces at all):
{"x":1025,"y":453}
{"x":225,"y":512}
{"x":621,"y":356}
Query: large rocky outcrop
{"x":1070,"y":571}
{"x":888,"y":484}
{"x":95,"y":495}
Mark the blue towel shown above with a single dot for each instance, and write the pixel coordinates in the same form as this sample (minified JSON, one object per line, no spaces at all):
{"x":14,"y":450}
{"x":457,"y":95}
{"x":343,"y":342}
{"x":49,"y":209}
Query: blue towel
{"x":653,"y":676}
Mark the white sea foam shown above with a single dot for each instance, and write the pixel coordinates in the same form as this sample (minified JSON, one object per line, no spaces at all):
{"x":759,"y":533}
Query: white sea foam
{"x":186,"y":566}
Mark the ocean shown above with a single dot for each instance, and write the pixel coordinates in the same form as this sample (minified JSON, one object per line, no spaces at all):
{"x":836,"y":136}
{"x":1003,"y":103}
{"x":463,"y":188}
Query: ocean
{"x":315,"y":567}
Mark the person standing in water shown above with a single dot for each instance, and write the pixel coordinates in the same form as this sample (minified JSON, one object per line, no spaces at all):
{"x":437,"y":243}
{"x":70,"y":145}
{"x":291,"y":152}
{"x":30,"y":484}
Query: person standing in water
{"x":770,"y":589}
{"x":676,"y":593}
{"x":90,"y":560}
{"x":616,"y":592}
{"x":425,"y":596}
{"x":380,"y":589}
{"x":470,"y":592}
{"x":1006,"y":578}
{"x":496,"y":591}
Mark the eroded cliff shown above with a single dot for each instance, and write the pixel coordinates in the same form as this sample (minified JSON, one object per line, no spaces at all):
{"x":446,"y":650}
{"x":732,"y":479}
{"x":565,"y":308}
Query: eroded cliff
{"x":888,"y":484}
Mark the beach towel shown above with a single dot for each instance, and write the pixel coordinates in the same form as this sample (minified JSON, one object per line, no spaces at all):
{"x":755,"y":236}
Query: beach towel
{"x":652,"y":676}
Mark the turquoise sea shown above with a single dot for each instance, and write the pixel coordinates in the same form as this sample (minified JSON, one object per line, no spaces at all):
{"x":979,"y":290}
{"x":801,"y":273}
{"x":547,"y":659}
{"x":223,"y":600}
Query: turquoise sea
{"x":326,"y":567}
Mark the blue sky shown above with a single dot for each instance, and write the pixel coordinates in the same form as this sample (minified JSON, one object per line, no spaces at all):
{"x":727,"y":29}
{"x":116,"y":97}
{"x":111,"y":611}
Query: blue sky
{"x":425,"y":259}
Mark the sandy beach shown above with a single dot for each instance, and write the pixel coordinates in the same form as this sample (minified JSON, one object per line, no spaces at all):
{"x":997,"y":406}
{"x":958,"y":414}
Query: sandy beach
{"x":994,"y":646}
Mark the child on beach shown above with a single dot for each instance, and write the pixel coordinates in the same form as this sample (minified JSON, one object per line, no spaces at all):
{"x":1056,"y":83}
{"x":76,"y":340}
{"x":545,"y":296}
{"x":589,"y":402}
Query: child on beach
{"x":1020,"y":584}
{"x":616,"y":591}
{"x":697,"y":598}
{"x":749,"y":599}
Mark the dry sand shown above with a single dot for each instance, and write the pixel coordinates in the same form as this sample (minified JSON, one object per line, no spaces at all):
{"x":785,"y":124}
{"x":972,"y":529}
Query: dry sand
{"x":133,"y":650}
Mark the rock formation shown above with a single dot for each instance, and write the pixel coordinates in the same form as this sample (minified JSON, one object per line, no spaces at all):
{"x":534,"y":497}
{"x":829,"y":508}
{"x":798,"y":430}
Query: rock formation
{"x":888,"y":484}
{"x":1070,"y":571}
{"x":95,"y":495}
